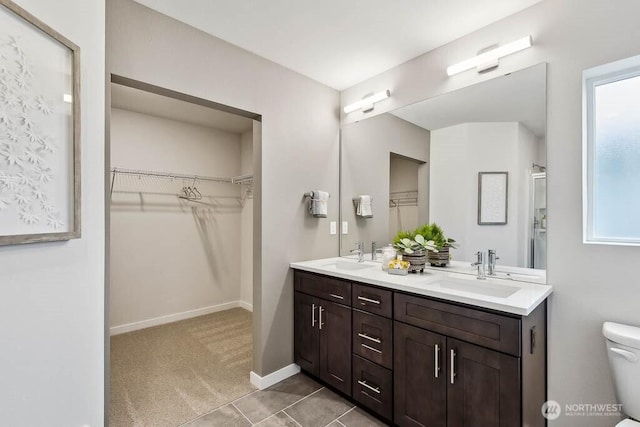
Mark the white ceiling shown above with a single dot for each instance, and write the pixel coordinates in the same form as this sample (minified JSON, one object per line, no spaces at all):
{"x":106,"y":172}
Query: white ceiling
{"x":140,"y":101}
{"x":339,"y":42}
{"x":517,"y":97}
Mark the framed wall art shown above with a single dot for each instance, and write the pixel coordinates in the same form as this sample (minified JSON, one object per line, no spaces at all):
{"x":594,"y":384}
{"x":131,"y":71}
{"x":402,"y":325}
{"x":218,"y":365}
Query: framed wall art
{"x":39,"y":130}
{"x":493,"y":188}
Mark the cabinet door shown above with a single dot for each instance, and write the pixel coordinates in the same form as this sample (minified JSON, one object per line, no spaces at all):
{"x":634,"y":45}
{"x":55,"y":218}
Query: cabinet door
{"x":483,"y":387}
{"x":334,"y":324}
{"x":420,"y":377}
{"x":306,"y":340}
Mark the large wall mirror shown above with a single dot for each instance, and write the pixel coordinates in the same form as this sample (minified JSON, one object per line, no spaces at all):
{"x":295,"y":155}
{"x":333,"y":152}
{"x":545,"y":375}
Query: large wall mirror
{"x":428,"y":162}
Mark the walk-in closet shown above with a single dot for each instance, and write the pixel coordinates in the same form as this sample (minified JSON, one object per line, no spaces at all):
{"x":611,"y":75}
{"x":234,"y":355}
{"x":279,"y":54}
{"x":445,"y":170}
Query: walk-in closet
{"x":180,"y":257}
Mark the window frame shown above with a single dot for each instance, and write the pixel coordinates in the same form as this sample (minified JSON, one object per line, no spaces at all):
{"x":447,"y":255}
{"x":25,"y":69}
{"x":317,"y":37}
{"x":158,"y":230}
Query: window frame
{"x":591,"y":79}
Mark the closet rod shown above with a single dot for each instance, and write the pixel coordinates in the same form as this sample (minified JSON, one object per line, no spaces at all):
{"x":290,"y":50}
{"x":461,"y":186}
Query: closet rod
{"x":242,"y":179}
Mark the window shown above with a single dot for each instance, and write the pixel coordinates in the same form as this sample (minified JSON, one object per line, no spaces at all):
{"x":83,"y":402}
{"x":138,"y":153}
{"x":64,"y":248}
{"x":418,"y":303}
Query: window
{"x":611,"y":153}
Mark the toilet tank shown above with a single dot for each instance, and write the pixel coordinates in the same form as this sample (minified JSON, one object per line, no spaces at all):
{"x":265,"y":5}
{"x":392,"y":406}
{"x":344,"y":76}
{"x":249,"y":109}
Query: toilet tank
{"x":623,"y":350}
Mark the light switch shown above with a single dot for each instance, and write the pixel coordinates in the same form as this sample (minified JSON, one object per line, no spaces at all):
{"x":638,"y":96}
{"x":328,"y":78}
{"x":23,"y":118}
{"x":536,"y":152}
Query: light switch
{"x":333,"y":227}
{"x":345,"y":227}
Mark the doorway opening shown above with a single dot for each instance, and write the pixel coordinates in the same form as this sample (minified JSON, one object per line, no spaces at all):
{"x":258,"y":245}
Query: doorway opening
{"x":180,"y":228}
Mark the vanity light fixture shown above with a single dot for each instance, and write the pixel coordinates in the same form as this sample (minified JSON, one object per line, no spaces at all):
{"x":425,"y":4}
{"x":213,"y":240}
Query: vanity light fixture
{"x":489,"y":59}
{"x":366,"y":103}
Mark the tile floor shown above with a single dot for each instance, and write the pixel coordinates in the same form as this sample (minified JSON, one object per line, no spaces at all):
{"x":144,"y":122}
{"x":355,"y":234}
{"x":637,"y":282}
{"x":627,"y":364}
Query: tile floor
{"x":298,"y":401}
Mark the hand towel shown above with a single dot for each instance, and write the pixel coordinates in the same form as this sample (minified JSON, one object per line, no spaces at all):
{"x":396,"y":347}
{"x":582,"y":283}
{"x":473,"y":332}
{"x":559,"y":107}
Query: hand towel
{"x":363,"y":206}
{"x":318,"y":204}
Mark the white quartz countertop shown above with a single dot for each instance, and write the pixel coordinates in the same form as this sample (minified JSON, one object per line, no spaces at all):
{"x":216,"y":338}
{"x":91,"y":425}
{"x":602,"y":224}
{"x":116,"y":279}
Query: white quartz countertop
{"x":508,"y":296}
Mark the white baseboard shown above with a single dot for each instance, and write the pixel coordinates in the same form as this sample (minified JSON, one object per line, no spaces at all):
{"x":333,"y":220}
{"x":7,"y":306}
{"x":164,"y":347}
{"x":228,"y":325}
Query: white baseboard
{"x":245,"y":305}
{"x":273,"y":378}
{"x":129,"y":327}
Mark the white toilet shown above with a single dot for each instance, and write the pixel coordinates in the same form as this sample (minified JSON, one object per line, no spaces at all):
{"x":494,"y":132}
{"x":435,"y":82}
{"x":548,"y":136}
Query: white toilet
{"x":623,"y":348}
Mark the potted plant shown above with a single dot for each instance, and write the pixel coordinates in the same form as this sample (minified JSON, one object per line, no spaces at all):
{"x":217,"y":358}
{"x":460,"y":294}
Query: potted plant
{"x":442,"y":243}
{"x":414,"y":248}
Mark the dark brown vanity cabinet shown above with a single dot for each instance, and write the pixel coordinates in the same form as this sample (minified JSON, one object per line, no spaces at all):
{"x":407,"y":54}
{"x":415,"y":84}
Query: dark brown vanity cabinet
{"x":322,"y":330}
{"x":419,"y":361}
{"x":373,"y":349}
{"x":457,"y":366}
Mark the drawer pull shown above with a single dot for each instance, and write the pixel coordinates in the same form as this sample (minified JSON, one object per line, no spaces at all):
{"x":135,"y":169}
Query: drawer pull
{"x":373,"y":389}
{"x":367,"y":337}
{"x":372,"y":301}
{"x":336,"y":296}
{"x":313,"y":315}
{"x":436,"y":356}
{"x":453,"y":366}
{"x":371,"y":348}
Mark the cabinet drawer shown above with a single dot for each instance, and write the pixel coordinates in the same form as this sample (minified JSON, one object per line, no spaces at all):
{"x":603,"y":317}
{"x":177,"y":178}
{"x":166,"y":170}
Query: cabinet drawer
{"x":373,"y":338}
{"x":328,"y":288}
{"x":489,"y":330}
{"x":373,"y":386}
{"x":373,"y":300}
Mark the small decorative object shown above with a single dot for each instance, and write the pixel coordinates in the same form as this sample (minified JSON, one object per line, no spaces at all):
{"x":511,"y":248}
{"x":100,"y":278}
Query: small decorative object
{"x":414,"y":248}
{"x":433,"y":232}
{"x":398,"y":267}
{"x":388,"y":255}
{"x":492,"y":198}
{"x":39,"y":130}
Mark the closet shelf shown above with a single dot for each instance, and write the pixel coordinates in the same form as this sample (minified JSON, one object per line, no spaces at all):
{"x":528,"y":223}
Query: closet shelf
{"x":403,"y":198}
{"x":146,"y":181}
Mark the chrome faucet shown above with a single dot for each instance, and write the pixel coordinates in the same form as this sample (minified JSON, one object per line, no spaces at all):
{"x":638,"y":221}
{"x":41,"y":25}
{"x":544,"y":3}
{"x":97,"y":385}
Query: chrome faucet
{"x":480,"y":262}
{"x":491,"y":262}
{"x":360,"y":250}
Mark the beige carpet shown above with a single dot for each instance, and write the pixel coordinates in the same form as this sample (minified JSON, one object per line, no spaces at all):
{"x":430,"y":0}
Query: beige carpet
{"x":169,"y":374}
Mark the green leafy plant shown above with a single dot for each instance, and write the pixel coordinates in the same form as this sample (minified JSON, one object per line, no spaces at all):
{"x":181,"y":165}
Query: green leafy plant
{"x":434,"y":232}
{"x":416,"y":242}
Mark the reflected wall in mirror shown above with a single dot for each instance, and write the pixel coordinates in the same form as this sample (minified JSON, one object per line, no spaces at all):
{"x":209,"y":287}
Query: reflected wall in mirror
{"x":421,"y":164}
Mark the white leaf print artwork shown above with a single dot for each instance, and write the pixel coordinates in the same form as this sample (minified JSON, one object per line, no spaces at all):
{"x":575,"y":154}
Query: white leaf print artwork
{"x":14,"y":42}
{"x":43,"y":105}
{"x":47,"y":144}
{"x":29,"y":111}
{"x":37,"y":194}
{"x":29,"y":217}
{"x":43,"y":175}
{"x":33,"y":157}
{"x":12,"y":155}
{"x":54,"y":222}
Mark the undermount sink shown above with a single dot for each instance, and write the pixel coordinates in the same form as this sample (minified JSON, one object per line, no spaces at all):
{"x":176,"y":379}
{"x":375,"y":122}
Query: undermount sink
{"x":348,"y":265}
{"x":480,"y":287}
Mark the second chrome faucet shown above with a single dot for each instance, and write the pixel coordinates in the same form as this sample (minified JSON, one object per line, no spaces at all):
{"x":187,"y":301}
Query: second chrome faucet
{"x":486,"y":265}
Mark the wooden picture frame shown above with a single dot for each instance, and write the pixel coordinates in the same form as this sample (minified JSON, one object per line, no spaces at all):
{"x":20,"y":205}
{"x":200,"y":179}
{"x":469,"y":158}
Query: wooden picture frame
{"x":493,"y":203}
{"x":39,"y":130}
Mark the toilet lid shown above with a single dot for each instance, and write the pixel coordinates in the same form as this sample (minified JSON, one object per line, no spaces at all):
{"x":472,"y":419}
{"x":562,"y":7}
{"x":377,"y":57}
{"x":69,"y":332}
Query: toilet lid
{"x":628,"y":423}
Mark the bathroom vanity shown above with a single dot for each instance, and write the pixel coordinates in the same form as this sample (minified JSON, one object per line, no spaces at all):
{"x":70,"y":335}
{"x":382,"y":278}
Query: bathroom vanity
{"x":431,"y":349}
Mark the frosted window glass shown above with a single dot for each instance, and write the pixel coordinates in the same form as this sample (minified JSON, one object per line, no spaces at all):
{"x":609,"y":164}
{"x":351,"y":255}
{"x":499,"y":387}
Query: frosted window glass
{"x":616,"y":162}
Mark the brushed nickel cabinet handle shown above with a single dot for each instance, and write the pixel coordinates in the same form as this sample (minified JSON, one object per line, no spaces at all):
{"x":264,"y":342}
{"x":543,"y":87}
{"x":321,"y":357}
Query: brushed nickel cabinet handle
{"x":371,"y":348}
{"x":336,"y":296}
{"x":367,"y":337}
{"x":313,"y":315}
{"x":372,"y":301}
{"x":320,"y":310}
{"x":436,"y":355}
{"x":373,"y":389}
{"x":453,"y":366}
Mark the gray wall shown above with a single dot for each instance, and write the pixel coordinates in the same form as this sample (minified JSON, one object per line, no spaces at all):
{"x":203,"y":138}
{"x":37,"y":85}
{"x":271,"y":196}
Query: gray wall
{"x":591,"y":283}
{"x":299,"y":146}
{"x":51,"y":294}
